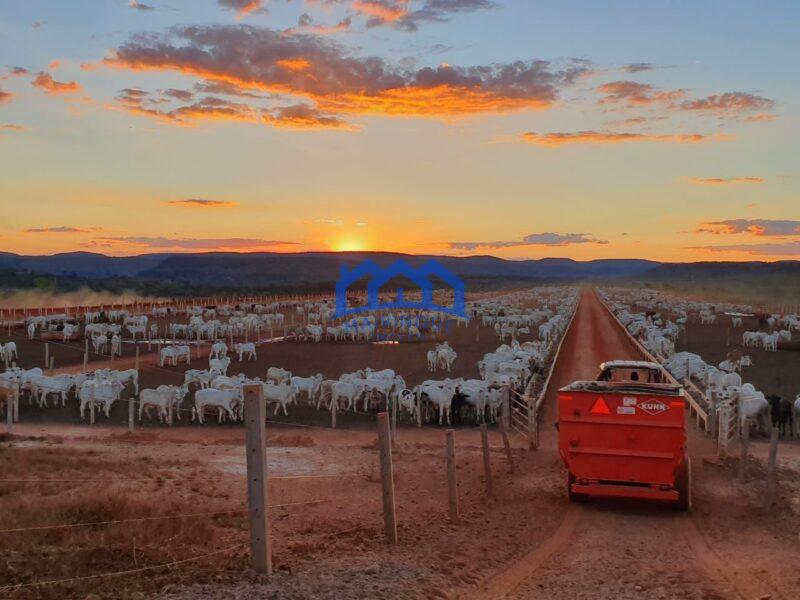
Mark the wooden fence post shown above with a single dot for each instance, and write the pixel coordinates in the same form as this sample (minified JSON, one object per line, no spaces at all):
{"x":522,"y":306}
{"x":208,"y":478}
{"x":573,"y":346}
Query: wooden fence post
{"x":487,"y":464}
{"x":9,"y":412}
{"x":46,"y":355}
{"x":744,"y":441}
{"x":52,"y":364}
{"x":771,"y":463}
{"x":419,"y":411}
{"x":505,"y":415}
{"x":506,"y":445}
{"x":387,"y":478}
{"x":394,"y":421}
{"x":533,"y":425}
{"x":85,"y":361}
{"x":255,"y":416}
{"x":16,"y":402}
{"x":91,"y":412}
{"x":452,"y":482}
{"x":334,"y":406}
{"x":130,"y":415}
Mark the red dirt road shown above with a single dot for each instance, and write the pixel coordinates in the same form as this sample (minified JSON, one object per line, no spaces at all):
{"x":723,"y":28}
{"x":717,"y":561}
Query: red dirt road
{"x":636,"y":550}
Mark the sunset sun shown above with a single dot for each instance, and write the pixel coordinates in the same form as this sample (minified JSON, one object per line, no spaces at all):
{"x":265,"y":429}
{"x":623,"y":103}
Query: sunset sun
{"x":349,"y":245}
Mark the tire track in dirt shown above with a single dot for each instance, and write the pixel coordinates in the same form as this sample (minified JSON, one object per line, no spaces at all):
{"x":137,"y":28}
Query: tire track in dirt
{"x":510,"y":578}
{"x":748,"y":585}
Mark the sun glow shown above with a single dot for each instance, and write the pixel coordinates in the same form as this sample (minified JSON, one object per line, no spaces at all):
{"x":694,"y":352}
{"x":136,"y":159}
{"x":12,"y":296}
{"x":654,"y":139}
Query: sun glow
{"x":349,"y":245}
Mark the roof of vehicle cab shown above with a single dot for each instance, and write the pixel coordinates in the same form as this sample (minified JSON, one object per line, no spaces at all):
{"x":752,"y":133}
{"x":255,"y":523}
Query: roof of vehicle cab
{"x":624,"y":387}
{"x":629,"y":364}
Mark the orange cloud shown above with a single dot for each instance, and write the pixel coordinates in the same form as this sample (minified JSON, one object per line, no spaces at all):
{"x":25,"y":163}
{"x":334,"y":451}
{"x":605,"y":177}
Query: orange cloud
{"x":553,"y":140}
{"x":728,"y":103}
{"x":636,"y":94}
{"x":301,"y":116}
{"x":758,"y":227}
{"x":242,"y":7}
{"x":382,"y":10}
{"x":46,"y":82}
{"x":337,"y":81}
{"x":294,"y":64}
{"x":306,"y":23}
{"x":725,"y":180}
{"x":759,"y":117}
{"x":201,"y":203}
{"x":163,"y":243}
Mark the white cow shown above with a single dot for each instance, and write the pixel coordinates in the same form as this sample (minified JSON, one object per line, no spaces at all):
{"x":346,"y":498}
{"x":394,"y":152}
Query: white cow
{"x":408,"y":401}
{"x":128,"y":375}
{"x":474,"y":392}
{"x":441,"y":397}
{"x":31,"y":330}
{"x":67,"y":332}
{"x":349,"y":390}
{"x":226,"y":402}
{"x":9,"y":352}
{"x":771,"y":342}
{"x":281,"y":394}
{"x":219,"y":365}
{"x":278,"y":375}
{"x":42,"y":385}
{"x":433,"y":360}
{"x":446,"y":356}
{"x":168,"y":355}
{"x":165,"y":398}
{"x":197,"y":376}
{"x":309,"y":385}
{"x":219,"y":350}
{"x":102,"y":392}
{"x":248,"y":348}
{"x":100,"y":343}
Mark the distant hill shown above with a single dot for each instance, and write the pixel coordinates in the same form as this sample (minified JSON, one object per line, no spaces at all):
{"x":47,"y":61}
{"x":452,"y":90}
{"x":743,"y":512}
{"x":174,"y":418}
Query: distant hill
{"x":703,"y":271}
{"x":773,"y":286}
{"x":82,"y":264}
{"x":227,"y":269}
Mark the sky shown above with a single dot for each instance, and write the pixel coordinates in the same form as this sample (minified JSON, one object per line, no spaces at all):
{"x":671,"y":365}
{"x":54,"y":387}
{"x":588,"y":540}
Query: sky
{"x":516,"y":128}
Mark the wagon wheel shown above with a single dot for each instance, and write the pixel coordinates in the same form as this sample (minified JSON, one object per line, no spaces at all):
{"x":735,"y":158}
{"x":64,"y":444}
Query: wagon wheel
{"x":683,"y":485}
{"x":573,"y":496}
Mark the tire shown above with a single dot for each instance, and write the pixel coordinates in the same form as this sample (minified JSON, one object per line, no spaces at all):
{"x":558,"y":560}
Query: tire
{"x":573,"y":496}
{"x":683,"y":485}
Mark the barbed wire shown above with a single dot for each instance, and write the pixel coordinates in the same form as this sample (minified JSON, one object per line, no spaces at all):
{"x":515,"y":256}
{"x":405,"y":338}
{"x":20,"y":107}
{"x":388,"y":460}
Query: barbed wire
{"x":160,"y":481}
{"x":18,"y":586}
{"x":156,"y":518}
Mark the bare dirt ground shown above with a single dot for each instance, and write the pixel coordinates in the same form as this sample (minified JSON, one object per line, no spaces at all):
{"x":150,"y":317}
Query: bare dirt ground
{"x":526,"y":541}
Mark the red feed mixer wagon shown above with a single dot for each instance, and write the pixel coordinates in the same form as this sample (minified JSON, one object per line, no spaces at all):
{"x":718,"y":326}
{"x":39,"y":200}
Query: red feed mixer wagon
{"x":624,"y":435}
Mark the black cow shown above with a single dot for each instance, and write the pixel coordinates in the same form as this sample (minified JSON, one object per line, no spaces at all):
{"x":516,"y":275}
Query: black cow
{"x":782,"y":414}
{"x":458,"y":402}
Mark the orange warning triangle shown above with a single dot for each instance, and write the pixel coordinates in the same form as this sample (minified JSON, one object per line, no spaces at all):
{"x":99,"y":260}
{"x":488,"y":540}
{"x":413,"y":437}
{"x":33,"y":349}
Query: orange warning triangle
{"x":600,"y":407}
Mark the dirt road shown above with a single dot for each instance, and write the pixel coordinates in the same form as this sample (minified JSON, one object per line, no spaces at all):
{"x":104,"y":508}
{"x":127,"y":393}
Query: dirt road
{"x":635,"y":550}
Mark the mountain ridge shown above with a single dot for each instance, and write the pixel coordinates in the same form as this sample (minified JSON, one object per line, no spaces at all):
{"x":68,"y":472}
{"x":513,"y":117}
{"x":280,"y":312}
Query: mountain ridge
{"x":233,"y":268}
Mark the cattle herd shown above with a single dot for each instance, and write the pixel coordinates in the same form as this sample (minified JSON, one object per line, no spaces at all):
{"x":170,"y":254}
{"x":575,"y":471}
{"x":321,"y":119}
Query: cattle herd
{"x":528,"y":325}
{"x":657,"y":320}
